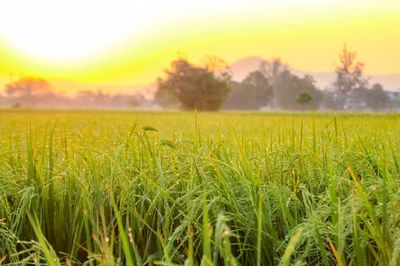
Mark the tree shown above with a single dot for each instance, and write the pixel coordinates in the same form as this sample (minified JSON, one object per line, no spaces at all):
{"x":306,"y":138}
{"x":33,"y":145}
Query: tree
{"x":303,"y":98}
{"x":214,"y":63}
{"x":27,"y":87}
{"x":376,"y":98}
{"x":193,"y":87}
{"x":272,"y":69}
{"x":252,"y":93}
{"x":164,"y":97}
{"x":28,"y":91}
{"x":330,"y":99}
{"x":349,"y":75}
{"x":288,"y":86}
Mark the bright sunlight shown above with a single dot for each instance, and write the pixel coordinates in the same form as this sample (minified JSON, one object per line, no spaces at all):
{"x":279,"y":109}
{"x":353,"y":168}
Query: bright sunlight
{"x":199,"y":133}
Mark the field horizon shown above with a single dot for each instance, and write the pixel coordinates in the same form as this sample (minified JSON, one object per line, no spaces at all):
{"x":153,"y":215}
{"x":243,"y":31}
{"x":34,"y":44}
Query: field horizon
{"x":200,"y":133}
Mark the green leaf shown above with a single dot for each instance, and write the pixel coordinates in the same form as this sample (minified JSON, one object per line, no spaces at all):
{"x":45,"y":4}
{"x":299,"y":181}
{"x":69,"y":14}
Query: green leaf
{"x":168,"y":143}
{"x":150,"y":128}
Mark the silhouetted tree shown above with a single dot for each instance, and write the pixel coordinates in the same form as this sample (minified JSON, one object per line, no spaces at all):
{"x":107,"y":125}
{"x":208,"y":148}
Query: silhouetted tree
{"x":272,"y":70}
{"x":367,"y":99}
{"x":376,"y":98}
{"x":214,"y":64}
{"x":288,"y":86}
{"x":35,"y":92}
{"x":303,"y":98}
{"x":193,"y":87}
{"x":164,"y":97}
{"x":273,"y":85}
{"x":30,"y":92}
{"x":28,"y":86}
{"x":349,"y":75}
{"x":252,"y":93}
{"x":330,"y":99}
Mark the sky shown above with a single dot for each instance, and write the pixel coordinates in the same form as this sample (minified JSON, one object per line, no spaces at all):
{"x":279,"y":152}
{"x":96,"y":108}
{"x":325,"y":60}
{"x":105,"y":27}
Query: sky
{"x":127,"y":43}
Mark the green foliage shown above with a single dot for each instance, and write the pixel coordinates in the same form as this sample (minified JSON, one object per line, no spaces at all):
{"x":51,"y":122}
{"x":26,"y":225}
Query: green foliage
{"x":287,"y":88}
{"x":364,"y":98}
{"x":349,"y":74}
{"x":303,"y":98}
{"x":193,"y":87}
{"x":91,"y":188}
{"x":273,"y":86}
{"x":252,"y":93}
{"x":376,"y":98}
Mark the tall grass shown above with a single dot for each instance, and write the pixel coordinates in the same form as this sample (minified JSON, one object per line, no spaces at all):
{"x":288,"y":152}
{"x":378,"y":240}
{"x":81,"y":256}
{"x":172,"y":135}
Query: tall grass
{"x":121,"y":188}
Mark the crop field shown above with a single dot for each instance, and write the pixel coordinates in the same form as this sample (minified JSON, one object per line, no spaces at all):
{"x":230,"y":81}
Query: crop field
{"x":176,"y":188}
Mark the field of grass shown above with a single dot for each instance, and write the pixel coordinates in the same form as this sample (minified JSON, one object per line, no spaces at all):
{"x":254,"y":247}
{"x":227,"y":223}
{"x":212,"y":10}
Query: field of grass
{"x":135,"y":188}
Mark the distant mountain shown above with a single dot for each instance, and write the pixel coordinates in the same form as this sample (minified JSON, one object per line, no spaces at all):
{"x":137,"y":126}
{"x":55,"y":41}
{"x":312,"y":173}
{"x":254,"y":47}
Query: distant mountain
{"x":244,"y":66}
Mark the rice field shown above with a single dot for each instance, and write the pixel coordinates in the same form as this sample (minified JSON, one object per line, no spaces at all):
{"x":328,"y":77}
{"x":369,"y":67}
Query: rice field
{"x":174,"y":188}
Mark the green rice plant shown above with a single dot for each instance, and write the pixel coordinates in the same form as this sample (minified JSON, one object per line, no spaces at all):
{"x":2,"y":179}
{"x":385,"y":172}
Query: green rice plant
{"x":175,"y":188}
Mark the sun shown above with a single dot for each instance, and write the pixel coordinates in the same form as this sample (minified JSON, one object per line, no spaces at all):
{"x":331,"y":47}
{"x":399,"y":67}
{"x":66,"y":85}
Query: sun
{"x":68,"y":30}
{"x":65,"y":38}
{"x":58,"y":30}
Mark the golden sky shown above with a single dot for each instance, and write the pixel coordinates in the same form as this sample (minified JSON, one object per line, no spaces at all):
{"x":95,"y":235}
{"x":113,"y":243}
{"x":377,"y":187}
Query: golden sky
{"x":130,"y":42}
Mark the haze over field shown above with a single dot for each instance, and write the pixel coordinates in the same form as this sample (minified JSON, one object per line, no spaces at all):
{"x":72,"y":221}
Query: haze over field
{"x":187,"y":132}
{"x":122,"y":46}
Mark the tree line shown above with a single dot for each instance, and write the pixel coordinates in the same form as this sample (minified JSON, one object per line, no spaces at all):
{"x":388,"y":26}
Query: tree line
{"x":30,"y":92}
{"x":271,"y":86}
{"x":209,"y":87}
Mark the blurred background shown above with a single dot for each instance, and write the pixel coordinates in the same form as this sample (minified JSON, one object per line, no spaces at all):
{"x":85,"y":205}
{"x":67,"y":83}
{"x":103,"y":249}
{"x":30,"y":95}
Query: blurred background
{"x":208,"y":55}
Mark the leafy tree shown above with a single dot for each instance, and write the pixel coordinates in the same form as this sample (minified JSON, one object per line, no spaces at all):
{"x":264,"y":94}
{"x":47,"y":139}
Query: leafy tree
{"x":303,"y":98}
{"x":28,"y":91}
{"x":364,"y":98}
{"x":193,"y":87}
{"x":164,"y":97}
{"x":349,"y":75}
{"x":214,"y":63}
{"x":272,"y":69}
{"x":288,"y":86}
{"x":330,"y":99}
{"x":252,"y":93}
{"x":376,"y":98}
{"x":27,"y":87}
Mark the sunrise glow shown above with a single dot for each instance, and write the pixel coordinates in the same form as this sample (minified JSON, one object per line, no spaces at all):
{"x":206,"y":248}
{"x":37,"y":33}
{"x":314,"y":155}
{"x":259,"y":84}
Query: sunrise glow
{"x":128,"y":42}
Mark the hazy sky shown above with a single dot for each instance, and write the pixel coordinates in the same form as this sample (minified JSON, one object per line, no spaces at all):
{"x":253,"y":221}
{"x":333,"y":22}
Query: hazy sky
{"x":128,"y":42}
